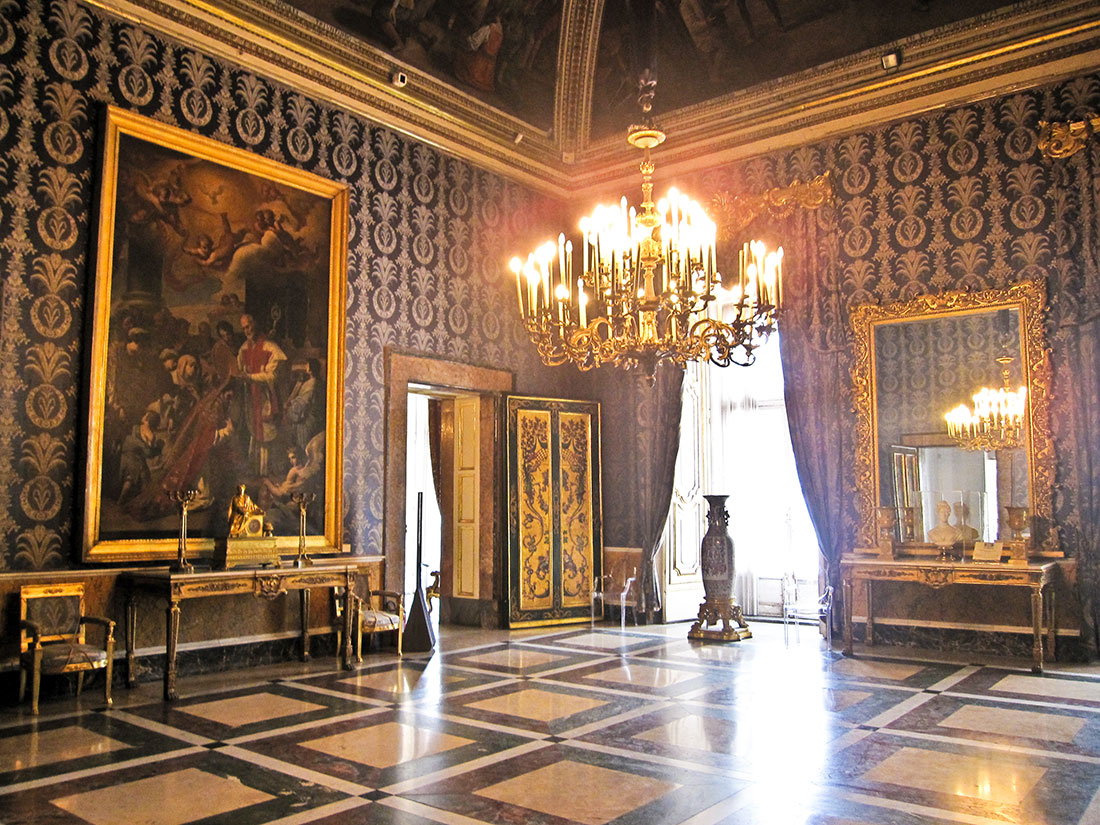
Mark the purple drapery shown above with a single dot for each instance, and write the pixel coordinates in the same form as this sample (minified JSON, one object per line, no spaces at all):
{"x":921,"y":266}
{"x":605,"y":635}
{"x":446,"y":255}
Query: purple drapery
{"x":814,"y":350}
{"x":657,"y":412}
{"x":640,"y":436}
{"x":1074,"y":290}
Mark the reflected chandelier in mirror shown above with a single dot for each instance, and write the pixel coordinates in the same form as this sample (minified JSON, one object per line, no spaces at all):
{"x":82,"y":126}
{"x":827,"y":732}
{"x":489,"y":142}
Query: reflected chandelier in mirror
{"x":915,"y":360}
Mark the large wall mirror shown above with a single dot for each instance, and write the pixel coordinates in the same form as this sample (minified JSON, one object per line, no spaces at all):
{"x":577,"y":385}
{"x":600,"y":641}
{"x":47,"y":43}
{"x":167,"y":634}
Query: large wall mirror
{"x":918,"y":359}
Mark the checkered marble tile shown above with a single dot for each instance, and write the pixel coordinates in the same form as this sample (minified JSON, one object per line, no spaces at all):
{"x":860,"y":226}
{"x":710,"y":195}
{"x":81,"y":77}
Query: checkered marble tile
{"x":602,"y":640}
{"x":81,"y":742}
{"x":1053,"y":728}
{"x":641,"y":676}
{"x":576,"y":726}
{"x":385,"y":748}
{"x":959,"y":777}
{"x":561,"y":785}
{"x":209,"y":786}
{"x":249,"y":711}
{"x":1065,"y":689}
{"x":521,"y":659}
{"x":409,"y":680}
{"x":541,"y":706}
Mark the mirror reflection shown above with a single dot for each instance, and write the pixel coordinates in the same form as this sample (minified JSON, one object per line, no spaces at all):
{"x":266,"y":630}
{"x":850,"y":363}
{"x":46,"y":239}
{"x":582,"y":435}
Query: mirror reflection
{"x":924,"y":367}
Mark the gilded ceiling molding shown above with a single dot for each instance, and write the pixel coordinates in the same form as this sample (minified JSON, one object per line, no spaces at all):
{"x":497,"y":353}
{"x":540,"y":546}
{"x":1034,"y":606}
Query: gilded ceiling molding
{"x":1021,"y":46}
{"x":733,"y":212}
{"x":1062,"y":140}
{"x":577,"y":51}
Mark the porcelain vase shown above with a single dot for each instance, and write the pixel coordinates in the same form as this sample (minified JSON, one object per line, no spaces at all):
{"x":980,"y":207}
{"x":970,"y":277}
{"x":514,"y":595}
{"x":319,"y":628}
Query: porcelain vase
{"x":717,"y":552}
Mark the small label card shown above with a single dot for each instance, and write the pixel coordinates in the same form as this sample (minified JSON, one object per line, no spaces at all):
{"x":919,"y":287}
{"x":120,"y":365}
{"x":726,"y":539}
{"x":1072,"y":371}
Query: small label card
{"x":984,"y":551}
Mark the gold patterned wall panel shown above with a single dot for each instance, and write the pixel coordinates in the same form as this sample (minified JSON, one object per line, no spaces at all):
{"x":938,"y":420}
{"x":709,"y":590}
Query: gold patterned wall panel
{"x":554,"y":529}
{"x":536,"y":518}
{"x":575,"y":511}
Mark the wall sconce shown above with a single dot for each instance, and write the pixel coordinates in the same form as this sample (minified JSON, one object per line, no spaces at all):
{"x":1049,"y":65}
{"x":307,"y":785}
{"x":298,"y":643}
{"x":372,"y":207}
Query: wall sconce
{"x":891,"y":61}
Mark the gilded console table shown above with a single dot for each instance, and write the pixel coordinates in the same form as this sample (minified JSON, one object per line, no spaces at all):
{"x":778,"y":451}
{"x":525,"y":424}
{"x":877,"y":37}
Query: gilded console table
{"x":264,"y":583}
{"x":1036,"y":576}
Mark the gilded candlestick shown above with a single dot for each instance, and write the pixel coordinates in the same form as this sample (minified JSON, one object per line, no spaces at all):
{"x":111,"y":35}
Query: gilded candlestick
{"x":184,"y":498}
{"x":303,"y":500}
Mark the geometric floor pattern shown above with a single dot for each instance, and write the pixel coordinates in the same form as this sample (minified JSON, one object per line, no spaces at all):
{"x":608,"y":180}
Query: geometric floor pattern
{"x":558,"y":726}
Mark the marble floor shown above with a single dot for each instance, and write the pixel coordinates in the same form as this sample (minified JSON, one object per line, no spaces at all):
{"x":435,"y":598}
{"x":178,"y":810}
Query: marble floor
{"x":560,"y":726}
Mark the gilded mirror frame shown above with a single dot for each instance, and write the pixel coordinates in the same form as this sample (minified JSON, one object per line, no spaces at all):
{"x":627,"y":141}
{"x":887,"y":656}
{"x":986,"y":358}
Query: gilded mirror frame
{"x":1029,"y":298}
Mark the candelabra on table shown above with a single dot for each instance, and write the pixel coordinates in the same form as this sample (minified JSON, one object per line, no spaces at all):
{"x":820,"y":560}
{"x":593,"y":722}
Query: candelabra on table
{"x":303,"y":500}
{"x":184,"y":498}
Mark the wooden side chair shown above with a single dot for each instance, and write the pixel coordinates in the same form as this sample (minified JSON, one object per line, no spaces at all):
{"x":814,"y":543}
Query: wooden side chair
{"x":51,"y":629}
{"x":382,"y":611}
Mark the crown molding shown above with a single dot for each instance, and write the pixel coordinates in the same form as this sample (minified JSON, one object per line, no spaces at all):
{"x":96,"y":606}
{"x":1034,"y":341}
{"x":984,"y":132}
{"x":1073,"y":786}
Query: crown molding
{"x":1022,"y":46}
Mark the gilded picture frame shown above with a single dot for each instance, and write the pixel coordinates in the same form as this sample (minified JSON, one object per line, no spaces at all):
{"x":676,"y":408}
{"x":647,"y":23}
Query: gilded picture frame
{"x":1028,"y":299}
{"x":216,"y":350}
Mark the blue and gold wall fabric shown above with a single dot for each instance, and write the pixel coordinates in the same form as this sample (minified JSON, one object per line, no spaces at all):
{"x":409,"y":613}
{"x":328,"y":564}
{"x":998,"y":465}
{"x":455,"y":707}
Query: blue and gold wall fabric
{"x":427,"y":234}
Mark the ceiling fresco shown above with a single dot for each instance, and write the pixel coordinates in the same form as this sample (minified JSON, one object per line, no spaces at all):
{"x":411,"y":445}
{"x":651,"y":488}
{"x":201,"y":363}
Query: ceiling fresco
{"x":504,"y":52}
{"x":707,"y":48}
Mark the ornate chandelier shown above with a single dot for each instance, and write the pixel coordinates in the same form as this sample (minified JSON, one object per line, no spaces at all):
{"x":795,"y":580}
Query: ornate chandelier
{"x":997,"y":420}
{"x":646,"y":289}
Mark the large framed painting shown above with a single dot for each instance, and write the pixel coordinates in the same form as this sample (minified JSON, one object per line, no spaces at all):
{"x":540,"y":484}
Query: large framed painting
{"x":217,"y":341}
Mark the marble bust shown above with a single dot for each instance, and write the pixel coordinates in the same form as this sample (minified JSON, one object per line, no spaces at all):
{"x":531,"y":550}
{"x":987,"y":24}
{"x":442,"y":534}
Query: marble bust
{"x":943,"y":534}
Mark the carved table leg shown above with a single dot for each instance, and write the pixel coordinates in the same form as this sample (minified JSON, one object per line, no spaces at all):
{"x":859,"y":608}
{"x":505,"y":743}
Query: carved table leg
{"x":173,"y":633}
{"x":1052,"y":635}
{"x":131,"y":639}
{"x":847,"y":585}
{"x":349,"y":602}
{"x":303,"y":601}
{"x":870,"y":640}
{"x":1037,"y":627}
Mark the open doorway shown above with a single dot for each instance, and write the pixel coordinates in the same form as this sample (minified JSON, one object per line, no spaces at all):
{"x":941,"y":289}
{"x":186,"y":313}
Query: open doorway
{"x":423,"y":491}
{"x":469,"y":473}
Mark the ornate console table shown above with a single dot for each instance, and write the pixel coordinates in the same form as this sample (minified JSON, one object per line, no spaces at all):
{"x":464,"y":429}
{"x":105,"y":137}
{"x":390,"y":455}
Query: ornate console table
{"x":1035,"y":576}
{"x":265,"y":583}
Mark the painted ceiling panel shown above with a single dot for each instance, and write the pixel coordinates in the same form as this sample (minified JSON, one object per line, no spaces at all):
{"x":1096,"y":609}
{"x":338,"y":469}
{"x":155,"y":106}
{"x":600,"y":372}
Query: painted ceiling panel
{"x":707,"y":48}
{"x":503,"y":52}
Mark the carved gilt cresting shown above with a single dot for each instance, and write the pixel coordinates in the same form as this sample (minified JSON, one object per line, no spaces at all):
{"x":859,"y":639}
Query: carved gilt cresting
{"x":1029,"y":297}
{"x":1062,"y":139}
{"x":734,"y":211}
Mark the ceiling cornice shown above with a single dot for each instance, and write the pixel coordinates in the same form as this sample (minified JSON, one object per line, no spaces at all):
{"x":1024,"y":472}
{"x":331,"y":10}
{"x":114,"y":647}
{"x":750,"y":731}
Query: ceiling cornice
{"x":1022,"y":47}
{"x":1015,"y":48}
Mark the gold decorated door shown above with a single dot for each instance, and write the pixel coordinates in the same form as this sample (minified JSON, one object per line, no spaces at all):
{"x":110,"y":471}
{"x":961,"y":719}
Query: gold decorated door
{"x":554,"y":520}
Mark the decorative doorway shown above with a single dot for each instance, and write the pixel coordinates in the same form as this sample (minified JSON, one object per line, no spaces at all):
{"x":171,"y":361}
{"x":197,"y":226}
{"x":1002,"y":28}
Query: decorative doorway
{"x":470,"y":592}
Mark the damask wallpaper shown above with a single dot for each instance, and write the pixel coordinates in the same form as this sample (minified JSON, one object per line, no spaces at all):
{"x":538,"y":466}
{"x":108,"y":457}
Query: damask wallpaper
{"x":427,"y":235}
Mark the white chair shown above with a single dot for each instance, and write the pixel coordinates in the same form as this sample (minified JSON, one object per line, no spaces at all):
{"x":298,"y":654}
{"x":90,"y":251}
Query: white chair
{"x":796,"y":610}
{"x":607,"y":588}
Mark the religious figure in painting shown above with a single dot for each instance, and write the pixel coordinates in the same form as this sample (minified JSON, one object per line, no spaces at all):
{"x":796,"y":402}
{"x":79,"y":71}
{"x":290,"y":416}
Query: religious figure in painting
{"x":260,"y":362}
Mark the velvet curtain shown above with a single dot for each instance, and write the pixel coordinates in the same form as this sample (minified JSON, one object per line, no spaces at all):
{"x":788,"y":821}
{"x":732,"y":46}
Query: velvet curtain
{"x":1074,"y":290}
{"x":657,"y":427}
{"x":813,"y":339}
{"x":640,"y":436}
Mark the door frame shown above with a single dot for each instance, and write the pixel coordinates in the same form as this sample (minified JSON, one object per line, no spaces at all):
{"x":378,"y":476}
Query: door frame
{"x":402,"y":369}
